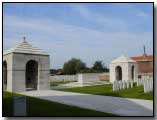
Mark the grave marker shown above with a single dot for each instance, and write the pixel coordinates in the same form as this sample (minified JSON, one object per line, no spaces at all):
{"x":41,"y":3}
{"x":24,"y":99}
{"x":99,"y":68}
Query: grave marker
{"x":19,"y":106}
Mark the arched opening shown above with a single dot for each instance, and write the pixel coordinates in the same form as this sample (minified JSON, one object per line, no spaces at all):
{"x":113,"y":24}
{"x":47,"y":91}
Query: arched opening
{"x":31,"y":75}
{"x":5,"y":75}
{"x":118,"y":73}
{"x":132,"y":72}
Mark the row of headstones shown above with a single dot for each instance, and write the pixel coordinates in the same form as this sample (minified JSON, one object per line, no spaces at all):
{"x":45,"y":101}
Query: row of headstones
{"x":148,"y":85}
{"x":140,"y":82}
{"x":119,"y":85}
{"x":147,"y":77}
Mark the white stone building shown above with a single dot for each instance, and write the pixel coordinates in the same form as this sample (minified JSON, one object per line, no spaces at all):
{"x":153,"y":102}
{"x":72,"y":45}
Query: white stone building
{"x":123,"y":68}
{"x":25,"y":68}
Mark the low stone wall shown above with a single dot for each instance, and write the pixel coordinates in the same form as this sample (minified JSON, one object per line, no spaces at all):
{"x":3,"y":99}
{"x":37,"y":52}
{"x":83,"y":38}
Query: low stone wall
{"x":63,"y":78}
{"x":104,"y":77}
{"x":89,"y":77}
{"x":81,"y":78}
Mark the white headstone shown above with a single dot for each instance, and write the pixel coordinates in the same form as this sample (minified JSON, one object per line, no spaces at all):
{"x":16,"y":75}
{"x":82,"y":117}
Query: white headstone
{"x":124,"y":84}
{"x":114,"y":86}
{"x":138,"y":82}
{"x":152,"y":84}
{"x":120,"y":85}
{"x":145,"y":88}
{"x":128,"y":84}
{"x":132,"y":84}
{"x":117,"y":85}
{"x":149,"y":86}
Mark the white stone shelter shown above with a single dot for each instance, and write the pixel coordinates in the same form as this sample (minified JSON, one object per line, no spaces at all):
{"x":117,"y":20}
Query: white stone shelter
{"x":123,"y":68}
{"x":25,"y":68}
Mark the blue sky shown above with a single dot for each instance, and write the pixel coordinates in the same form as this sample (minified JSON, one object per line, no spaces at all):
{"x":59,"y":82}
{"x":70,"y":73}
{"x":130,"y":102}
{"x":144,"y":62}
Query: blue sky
{"x":89,"y":31}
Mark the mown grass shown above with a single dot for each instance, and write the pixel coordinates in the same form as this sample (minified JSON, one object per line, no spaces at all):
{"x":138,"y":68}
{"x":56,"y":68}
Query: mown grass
{"x":39,"y":107}
{"x":60,"y":83}
{"x":136,"y":92}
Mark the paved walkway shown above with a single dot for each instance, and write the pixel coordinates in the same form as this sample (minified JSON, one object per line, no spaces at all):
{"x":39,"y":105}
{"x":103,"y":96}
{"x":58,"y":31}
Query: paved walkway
{"x":115,"y":105}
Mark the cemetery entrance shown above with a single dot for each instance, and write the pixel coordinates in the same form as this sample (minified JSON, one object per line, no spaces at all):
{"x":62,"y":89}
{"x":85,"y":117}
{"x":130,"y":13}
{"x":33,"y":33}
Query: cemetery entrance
{"x":31,"y":75}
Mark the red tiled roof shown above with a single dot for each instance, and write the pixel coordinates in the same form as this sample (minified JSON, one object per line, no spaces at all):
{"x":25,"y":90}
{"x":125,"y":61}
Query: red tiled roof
{"x":140,"y":58}
{"x":59,"y":73}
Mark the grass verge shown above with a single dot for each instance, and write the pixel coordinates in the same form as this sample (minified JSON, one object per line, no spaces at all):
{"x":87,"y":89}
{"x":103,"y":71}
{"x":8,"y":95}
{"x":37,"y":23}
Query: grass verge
{"x":136,"y":92}
{"x":60,"y":83}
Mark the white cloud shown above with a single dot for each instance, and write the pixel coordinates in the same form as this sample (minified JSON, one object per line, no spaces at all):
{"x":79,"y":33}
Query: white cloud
{"x":63,"y":41}
{"x":99,"y":19}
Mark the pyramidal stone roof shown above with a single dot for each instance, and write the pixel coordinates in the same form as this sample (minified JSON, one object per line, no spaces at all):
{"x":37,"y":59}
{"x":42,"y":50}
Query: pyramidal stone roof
{"x":25,"y":47}
{"x":123,"y":58}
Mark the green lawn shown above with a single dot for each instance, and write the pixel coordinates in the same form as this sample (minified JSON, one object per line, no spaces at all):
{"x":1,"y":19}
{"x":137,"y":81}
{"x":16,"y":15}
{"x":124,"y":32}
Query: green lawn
{"x":60,"y":83}
{"x":136,"y":92}
{"x":38,"y":107}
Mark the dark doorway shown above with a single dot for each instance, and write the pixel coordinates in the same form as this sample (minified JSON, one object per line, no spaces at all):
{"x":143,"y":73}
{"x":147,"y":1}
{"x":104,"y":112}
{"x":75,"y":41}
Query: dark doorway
{"x":5,"y":75}
{"x":118,"y":73}
{"x":132,"y":72}
{"x":31,"y":75}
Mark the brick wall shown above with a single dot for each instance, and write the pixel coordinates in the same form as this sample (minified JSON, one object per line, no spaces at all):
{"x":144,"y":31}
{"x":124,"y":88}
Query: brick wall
{"x":145,"y":66}
{"x":104,"y":77}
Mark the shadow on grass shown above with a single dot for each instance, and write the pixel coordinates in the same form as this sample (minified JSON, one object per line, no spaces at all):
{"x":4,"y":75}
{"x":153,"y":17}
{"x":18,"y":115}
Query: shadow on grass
{"x":39,"y":107}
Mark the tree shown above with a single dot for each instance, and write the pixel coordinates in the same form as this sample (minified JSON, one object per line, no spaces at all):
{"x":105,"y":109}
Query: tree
{"x":73,"y":66}
{"x":80,"y":66}
{"x":87,"y":70}
{"x":99,"y":67}
{"x":53,"y":71}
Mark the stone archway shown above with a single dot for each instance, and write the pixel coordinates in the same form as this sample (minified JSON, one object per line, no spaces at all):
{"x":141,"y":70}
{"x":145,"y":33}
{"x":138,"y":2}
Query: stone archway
{"x":5,"y":75}
{"x":31,"y":75}
{"x":132,"y":72}
{"x":118,"y":71}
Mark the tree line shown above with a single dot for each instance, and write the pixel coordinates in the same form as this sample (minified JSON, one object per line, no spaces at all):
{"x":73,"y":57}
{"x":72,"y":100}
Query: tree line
{"x":74,"y":66}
